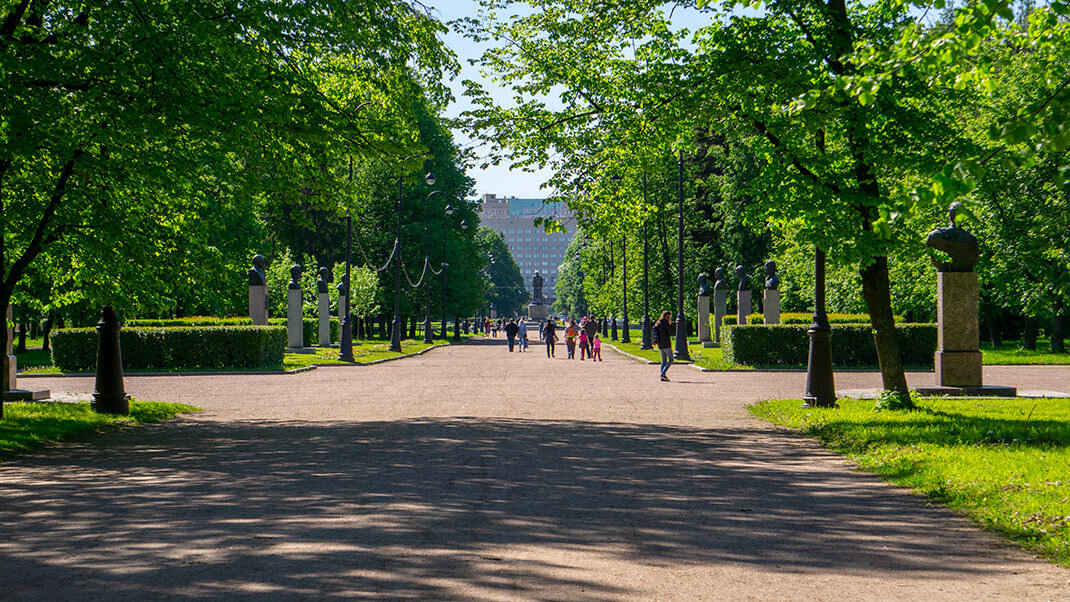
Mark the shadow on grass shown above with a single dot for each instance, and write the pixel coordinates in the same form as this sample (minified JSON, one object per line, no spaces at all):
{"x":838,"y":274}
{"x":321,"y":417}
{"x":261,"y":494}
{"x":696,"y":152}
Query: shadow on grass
{"x":436,"y":509}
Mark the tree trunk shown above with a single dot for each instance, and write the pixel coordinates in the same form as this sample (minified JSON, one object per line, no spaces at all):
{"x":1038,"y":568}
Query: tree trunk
{"x":47,"y":332}
{"x":993,"y":322}
{"x":1029,"y":334}
{"x":1058,"y":333}
{"x":876,"y":290}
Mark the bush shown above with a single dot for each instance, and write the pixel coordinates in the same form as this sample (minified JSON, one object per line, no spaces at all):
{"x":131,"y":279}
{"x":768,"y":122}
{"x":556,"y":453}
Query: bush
{"x":806,"y":318}
{"x":852,"y":345}
{"x":75,"y":349}
{"x":310,"y":326}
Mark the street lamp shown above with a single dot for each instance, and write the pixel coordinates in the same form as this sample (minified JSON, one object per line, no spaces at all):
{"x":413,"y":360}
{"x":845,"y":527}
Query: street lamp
{"x":427,"y":254}
{"x":448,"y":211}
{"x":681,"y":319}
{"x":820,"y":383}
{"x":345,"y":351}
{"x":456,"y":318}
{"x":395,"y":334}
{"x":648,"y":340}
{"x":625,"y":337}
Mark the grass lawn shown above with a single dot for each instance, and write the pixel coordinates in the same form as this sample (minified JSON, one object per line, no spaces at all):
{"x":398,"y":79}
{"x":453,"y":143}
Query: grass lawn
{"x":369,"y":351}
{"x":29,"y":425}
{"x":1011,"y":353}
{"x":1004,"y":463}
{"x":35,"y":361}
{"x":705,"y":357}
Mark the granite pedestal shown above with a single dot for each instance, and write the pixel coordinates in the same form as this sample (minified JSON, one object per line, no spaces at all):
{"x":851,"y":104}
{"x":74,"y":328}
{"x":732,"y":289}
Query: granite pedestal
{"x":325,"y":319}
{"x":720,"y":309}
{"x":771,"y":306}
{"x":538,"y":311}
{"x":744,"y":307}
{"x":258,"y":304}
{"x":704,"y":321}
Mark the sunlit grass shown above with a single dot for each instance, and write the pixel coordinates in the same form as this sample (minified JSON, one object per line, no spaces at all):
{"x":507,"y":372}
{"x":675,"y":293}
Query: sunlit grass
{"x":1004,"y":463}
{"x":710,"y":358}
{"x":29,"y":425}
{"x":368,"y":351}
{"x":1011,"y":353}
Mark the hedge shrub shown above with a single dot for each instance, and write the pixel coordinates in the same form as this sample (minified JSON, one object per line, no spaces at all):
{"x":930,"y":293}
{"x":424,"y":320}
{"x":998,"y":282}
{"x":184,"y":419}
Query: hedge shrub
{"x":852,"y":345}
{"x":75,"y":349}
{"x":310,"y":326}
{"x":806,"y":318}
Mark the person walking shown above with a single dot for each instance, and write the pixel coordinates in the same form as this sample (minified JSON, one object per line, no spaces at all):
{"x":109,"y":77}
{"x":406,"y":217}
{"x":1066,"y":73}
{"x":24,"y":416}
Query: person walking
{"x":510,"y":333}
{"x":570,"y":339}
{"x":583,"y":343}
{"x":549,"y":334}
{"x":596,"y":348}
{"x":663,"y":339}
{"x":522,"y":336}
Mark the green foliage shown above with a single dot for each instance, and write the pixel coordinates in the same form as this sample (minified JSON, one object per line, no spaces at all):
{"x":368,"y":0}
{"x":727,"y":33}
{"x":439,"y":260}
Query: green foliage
{"x":852,"y":345}
{"x":28,"y":425}
{"x":75,"y":349}
{"x":1001,"y":462}
{"x":505,"y":286}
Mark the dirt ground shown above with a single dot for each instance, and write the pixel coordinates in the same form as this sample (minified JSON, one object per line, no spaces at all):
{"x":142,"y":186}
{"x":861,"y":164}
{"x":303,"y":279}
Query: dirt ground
{"x":471,"y":473}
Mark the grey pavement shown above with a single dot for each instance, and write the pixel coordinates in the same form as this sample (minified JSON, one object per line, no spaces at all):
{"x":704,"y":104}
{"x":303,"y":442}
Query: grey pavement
{"x":470,"y":473}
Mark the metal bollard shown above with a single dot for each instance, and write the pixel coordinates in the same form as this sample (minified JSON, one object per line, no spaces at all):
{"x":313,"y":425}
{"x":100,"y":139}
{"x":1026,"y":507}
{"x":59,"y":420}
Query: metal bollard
{"x":109,"y":394}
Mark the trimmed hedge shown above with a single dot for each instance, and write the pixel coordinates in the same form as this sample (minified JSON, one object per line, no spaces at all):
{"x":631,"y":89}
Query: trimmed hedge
{"x":75,"y":349}
{"x":852,"y":345}
{"x":310,"y":326}
{"x":806,"y":318}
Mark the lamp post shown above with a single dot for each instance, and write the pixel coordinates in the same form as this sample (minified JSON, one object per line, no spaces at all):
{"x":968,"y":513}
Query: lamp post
{"x":681,"y":320}
{"x":395,"y":330}
{"x":427,"y":254}
{"x":448,"y":211}
{"x":456,"y":318}
{"x":625,"y":336}
{"x":820,"y":383}
{"x":345,"y":352}
{"x":648,"y":341}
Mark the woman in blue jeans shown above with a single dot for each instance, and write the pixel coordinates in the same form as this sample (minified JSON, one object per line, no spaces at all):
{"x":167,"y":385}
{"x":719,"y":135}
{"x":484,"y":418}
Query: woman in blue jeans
{"x":663,"y":335}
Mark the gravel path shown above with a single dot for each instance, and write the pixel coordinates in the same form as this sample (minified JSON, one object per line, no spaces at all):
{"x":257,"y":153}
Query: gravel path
{"x":470,"y":473}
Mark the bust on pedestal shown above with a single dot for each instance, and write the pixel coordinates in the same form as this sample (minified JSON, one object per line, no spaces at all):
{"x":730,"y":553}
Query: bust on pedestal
{"x":743,"y":296}
{"x":258,"y":299}
{"x":958,"y":362}
{"x":771,"y":300}
{"x":295,"y":331}
{"x":720,"y":303}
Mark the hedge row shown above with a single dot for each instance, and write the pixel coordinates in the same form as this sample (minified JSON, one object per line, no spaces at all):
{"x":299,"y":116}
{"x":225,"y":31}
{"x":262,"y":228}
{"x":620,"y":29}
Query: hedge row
{"x":75,"y":349}
{"x":852,"y":345}
{"x":310,"y":326}
{"x":805,"y":318}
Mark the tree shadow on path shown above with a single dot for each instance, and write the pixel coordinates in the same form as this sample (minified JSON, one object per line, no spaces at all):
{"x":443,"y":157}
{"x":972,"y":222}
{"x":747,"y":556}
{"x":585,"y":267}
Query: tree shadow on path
{"x":446,"y":508}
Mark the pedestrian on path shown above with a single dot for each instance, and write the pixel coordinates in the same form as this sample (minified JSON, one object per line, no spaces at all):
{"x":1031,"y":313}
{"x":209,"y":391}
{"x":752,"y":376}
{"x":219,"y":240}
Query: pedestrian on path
{"x":583,"y":343}
{"x":510,"y":333}
{"x":663,"y":339}
{"x":549,"y":334}
{"x":570,"y":339}
{"x":596,"y":348}
{"x":522,"y":335}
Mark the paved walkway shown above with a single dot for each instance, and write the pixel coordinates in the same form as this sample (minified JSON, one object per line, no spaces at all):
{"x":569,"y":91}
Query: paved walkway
{"x":472,"y":473}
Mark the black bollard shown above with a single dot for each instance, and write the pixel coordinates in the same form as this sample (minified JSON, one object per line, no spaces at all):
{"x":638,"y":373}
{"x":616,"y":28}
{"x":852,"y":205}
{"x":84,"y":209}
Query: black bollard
{"x":109,"y":394}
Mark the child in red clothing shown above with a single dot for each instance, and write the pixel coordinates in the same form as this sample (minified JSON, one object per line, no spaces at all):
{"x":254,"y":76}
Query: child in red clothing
{"x":596,"y":349}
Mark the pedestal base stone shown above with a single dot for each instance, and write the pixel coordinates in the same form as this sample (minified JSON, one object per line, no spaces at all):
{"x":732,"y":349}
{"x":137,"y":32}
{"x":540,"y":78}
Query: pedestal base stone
{"x":27,"y":394}
{"x":538,"y":312}
{"x":704,"y":318}
{"x":295,"y":331}
{"x":720,"y":309}
{"x":959,"y":368}
{"x":771,"y":305}
{"x":744,"y":307}
{"x":258,"y":311}
{"x":325,"y":320}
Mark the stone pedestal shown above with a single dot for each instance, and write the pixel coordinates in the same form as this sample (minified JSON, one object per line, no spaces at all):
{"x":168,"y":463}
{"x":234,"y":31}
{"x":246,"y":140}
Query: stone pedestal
{"x":10,"y":390}
{"x":771,"y":305}
{"x":258,"y":304}
{"x":720,"y":309}
{"x":325,"y":320}
{"x":744,"y":307}
{"x":704,"y":320}
{"x":295,"y":338}
{"x":538,"y":312}
{"x":958,"y":364}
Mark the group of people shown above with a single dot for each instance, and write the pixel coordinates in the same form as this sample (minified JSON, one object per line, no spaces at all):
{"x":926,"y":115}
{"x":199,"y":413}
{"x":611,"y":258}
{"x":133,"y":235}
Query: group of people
{"x":583,"y":335}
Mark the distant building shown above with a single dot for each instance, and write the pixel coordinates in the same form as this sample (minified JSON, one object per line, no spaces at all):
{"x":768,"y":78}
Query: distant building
{"x":532,"y":248}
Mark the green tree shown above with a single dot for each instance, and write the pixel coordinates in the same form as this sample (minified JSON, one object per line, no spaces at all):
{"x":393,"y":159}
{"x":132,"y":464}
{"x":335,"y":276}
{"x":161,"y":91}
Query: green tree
{"x":505,"y":286}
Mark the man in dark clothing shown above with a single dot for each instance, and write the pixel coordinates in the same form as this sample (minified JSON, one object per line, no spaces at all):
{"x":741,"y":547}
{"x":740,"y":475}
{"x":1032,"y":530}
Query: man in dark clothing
{"x":549,"y":334}
{"x":662,"y":335}
{"x":510,"y":333}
